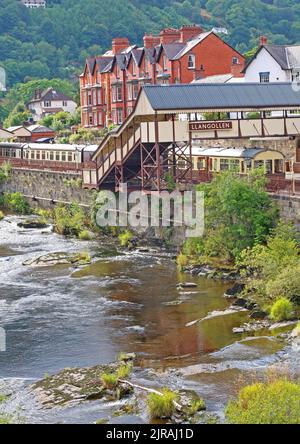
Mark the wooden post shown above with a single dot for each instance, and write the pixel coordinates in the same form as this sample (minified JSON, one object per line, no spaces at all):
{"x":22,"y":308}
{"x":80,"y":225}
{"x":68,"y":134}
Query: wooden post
{"x":158,"y":164}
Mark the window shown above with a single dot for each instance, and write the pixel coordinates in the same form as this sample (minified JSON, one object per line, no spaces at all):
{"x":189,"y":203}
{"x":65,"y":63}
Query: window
{"x":90,"y":119}
{"x":264,"y":77}
{"x":129,"y":92}
{"x":295,"y":76}
{"x":95,"y":118}
{"x":47,"y":104}
{"x":120,"y":115}
{"x":119,"y":93}
{"x":43,"y":155}
{"x":57,"y":156}
{"x":192,"y":61}
{"x":94,"y":97}
{"x":135,"y":90}
{"x":133,"y":68}
{"x":63,"y":156}
{"x":224,"y":164}
{"x":201,"y":163}
{"x":51,"y":155}
{"x":100,"y":121}
{"x":235,"y":60}
{"x":89,"y":98}
{"x":65,"y":103}
{"x":70,"y":157}
{"x":269,"y":166}
{"x":99,"y":96}
{"x":165,"y":62}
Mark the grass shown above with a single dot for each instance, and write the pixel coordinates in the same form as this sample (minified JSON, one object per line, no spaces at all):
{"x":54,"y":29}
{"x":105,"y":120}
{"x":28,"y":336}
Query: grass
{"x":85,"y":235}
{"x":5,"y":419}
{"x":109,"y":380}
{"x":162,"y":406}
{"x":125,"y":238}
{"x":124,"y":371}
{"x":282,"y":310}
{"x":197,"y":405}
{"x":275,"y":402}
{"x":181,"y":261}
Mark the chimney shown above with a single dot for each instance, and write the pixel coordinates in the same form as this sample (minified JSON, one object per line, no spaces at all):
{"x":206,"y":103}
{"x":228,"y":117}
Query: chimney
{"x":236,"y":70}
{"x":188,"y":32}
{"x":37,"y":94}
{"x":263,"y":40}
{"x":119,"y":44}
{"x":169,"y":35}
{"x":150,"y":41}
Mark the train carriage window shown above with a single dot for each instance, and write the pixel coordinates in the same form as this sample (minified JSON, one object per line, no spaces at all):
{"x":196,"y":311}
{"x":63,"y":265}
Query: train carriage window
{"x":63,"y":156}
{"x":57,"y":156}
{"x":38,"y":155}
{"x":268,"y":166}
{"x":43,"y":155}
{"x":201,"y":163}
{"x":224,"y":164}
{"x":258,"y":164}
{"x":32,"y":155}
{"x":74,"y":157}
{"x":234,"y":165}
{"x":51,"y":155}
{"x":69,"y":157}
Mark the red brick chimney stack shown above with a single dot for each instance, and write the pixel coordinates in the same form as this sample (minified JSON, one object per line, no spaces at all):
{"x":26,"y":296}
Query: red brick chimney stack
{"x":188,"y":32}
{"x":119,"y":44}
{"x":236,"y":70}
{"x":263,"y":40}
{"x":169,"y":35}
{"x":150,"y":41}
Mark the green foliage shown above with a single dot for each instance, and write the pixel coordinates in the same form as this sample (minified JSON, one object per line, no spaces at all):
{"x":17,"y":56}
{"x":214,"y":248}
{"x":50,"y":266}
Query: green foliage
{"x":238,"y":214}
{"x":215,"y":116}
{"x":162,"y":406}
{"x":5,"y":419}
{"x":275,"y":402}
{"x":282,"y":310}
{"x":171,"y":184}
{"x":197,"y":405}
{"x":125,"y":238}
{"x":5,"y":172}
{"x":124,"y":371}
{"x":15,"y":203}
{"x":271,"y":269}
{"x":3,"y":398}
{"x":18,"y":116}
{"x":181,"y":261}
{"x":1,"y":215}
{"x":73,"y":183}
{"x":85,"y":235}
{"x":69,"y":220}
{"x":109,"y":380}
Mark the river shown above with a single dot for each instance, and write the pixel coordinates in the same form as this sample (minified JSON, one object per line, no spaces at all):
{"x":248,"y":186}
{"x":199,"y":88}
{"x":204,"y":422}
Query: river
{"x":58,"y":317}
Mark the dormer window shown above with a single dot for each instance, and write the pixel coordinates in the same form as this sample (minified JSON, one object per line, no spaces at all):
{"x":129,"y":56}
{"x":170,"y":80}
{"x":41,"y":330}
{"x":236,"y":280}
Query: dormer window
{"x":192,"y":61}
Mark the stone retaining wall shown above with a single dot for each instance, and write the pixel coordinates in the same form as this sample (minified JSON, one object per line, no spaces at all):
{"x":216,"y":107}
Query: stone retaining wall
{"x":47,"y":186}
{"x":289,"y":208}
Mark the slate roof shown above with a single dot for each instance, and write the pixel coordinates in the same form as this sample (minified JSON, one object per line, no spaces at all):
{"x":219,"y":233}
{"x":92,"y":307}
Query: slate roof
{"x":222,"y":96}
{"x":288,"y":57}
{"x":51,"y":94}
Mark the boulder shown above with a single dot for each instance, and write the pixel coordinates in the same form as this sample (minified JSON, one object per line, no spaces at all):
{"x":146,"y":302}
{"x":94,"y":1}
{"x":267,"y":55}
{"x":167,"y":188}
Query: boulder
{"x":32,"y":224}
{"x":234,"y":291}
{"x":187,"y":285}
{"x":59,"y":259}
{"x":258,"y":314}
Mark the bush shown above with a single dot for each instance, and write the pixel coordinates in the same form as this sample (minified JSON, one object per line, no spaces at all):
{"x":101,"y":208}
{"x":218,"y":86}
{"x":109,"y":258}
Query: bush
{"x":5,"y":419}
{"x":286,"y":284}
{"x":181,"y":261}
{"x":161,"y":406}
{"x":69,"y":220}
{"x":15,"y":203}
{"x":85,"y":235}
{"x":125,"y":238}
{"x":266,"y":403}
{"x":282,"y":310}
{"x":1,"y":215}
{"x":109,"y":380}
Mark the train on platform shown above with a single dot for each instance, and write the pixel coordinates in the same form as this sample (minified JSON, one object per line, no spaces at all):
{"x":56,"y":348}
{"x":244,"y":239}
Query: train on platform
{"x":45,"y":155}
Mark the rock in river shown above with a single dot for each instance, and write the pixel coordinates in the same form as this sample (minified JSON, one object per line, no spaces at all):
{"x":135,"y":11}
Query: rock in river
{"x":186,"y":285}
{"x":59,"y":259}
{"x":32,"y":224}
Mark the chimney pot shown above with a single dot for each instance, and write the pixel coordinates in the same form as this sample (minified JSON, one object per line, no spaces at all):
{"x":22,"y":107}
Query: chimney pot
{"x":119,"y":44}
{"x":188,"y":32}
{"x":263,"y":40}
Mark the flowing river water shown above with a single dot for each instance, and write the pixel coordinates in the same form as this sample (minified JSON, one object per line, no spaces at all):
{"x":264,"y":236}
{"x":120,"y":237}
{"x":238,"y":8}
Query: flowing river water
{"x":58,"y":317}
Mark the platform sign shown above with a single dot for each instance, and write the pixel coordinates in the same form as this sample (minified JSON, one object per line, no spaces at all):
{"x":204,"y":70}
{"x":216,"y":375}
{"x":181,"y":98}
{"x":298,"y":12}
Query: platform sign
{"x":210,"y":126}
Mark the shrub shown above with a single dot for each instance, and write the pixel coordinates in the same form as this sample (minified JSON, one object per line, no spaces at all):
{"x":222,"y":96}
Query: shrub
{"x":275,"y":402}
{"x":1,"y":215}
{"x":125,"y":238}
{"x":85,"y":235}
{"x":69,"y":220}
{"x":3,"y":398}
{"x":282,"y":310}
{"x":124,"y":371}
{"x":181,"y":261}
{"x":5,"y":419}
{"x":197,"y":405}
{"x":286,"y":284}
{"x":161,"y":406}
{"x":15,"y":202}
{"x":109,"y":380}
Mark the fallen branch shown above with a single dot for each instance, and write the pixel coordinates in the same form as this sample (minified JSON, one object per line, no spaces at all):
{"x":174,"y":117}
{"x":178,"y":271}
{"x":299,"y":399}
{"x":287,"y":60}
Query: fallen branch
{"x":149,"y":390}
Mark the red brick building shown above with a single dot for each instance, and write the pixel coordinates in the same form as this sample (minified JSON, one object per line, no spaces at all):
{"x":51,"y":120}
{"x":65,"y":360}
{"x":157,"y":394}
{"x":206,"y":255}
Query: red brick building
{"x":110,"y":83}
